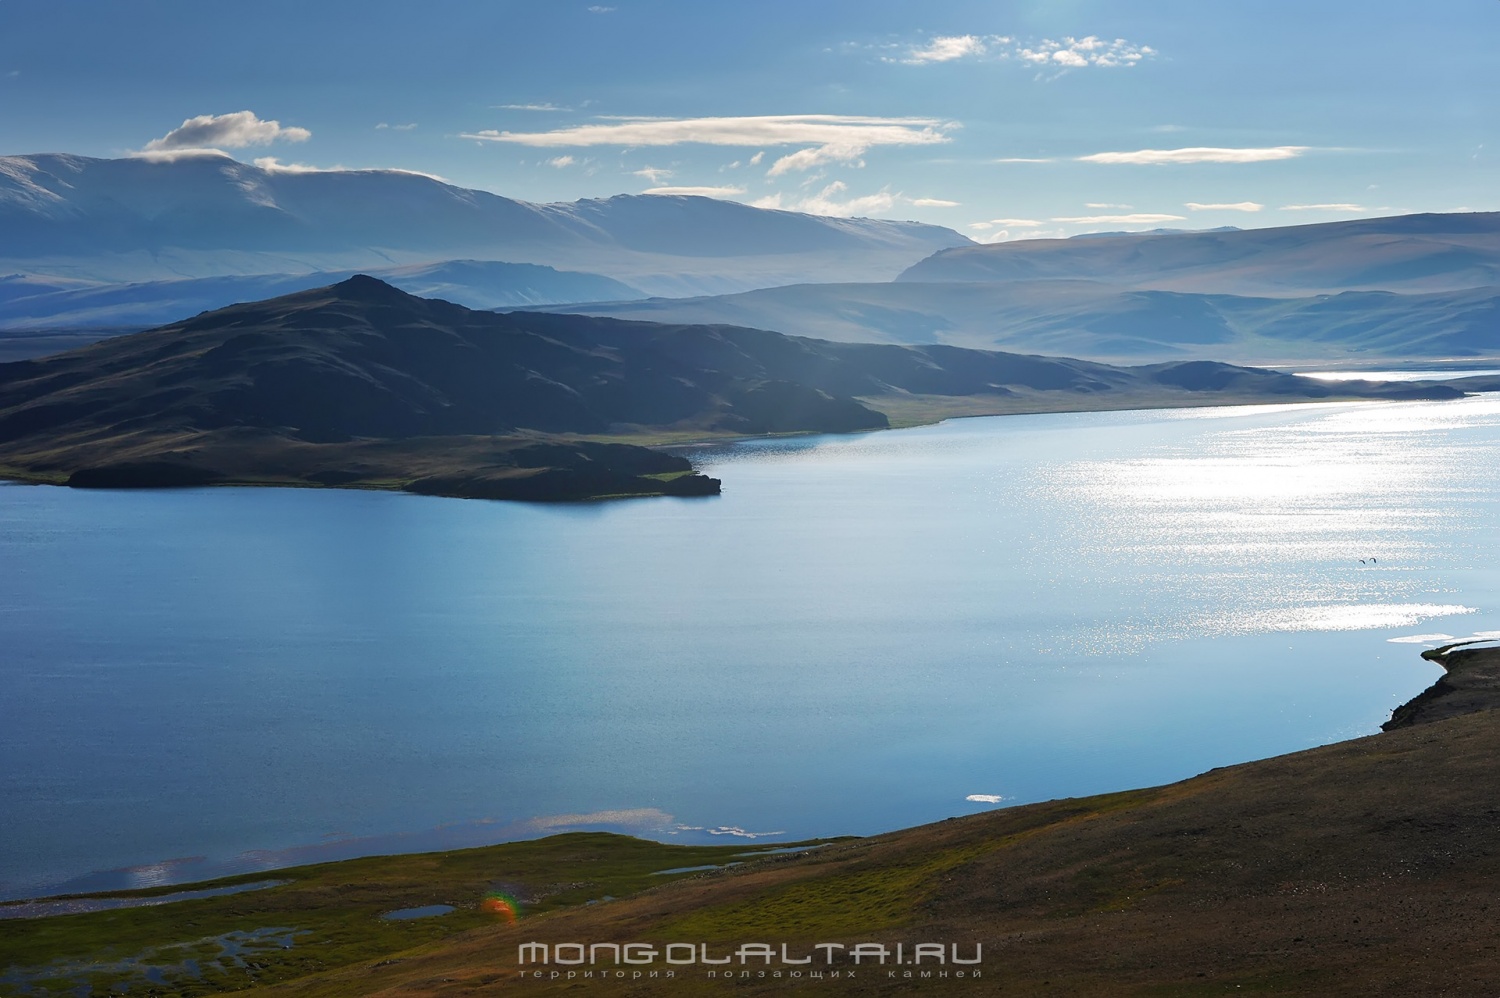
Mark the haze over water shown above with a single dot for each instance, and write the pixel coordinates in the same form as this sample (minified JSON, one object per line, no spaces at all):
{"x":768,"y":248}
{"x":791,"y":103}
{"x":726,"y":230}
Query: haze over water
{"x":859,"y":635}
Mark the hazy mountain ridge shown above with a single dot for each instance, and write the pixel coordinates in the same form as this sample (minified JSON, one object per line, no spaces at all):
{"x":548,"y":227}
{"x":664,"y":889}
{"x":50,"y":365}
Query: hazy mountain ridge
{"x":1100,"y":321}
{"x":1410,"y":287}
{"x":31,"y":302}
{"x":145,"y":219}
{"x":1411,"y":253}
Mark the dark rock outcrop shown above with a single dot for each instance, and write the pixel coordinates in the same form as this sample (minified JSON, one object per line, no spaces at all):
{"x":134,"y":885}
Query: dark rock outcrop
{"x":1471,"y":684}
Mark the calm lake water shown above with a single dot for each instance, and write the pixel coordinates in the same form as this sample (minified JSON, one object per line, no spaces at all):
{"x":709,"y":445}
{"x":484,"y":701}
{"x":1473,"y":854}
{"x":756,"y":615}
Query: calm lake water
{"x":862,"y":633}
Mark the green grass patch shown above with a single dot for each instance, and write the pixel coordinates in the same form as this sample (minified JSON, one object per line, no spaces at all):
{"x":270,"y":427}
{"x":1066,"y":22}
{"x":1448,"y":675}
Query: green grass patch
{"x":328,"y":916}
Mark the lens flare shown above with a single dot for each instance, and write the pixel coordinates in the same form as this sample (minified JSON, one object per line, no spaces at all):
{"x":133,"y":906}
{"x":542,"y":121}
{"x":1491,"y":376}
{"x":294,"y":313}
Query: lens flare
{"x":503,"y":906}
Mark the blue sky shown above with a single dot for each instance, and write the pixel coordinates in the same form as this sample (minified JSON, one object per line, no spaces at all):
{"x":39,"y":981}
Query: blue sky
{"x":1001,"y":120}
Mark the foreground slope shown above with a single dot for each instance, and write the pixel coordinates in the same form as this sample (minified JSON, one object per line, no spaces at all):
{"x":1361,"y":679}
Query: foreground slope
{"x":1368,"y":867}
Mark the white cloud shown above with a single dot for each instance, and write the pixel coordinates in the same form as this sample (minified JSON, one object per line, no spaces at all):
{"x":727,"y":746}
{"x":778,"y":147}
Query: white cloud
{"x":395,"y":128}
{"x":946,"y":49}
{"x":229,"y":131}
{"x":933,"y":203}
{"x":599,"y":9}
{"x":530,"y":107}
{"x":1071,"y":53}
{"x":1024,"y":159}
{"x":701,"y":192}
{"x":173,"y":155}
{"x":1005,"y":223}
{"x":1236,"y":206}
{"x":652,"y":173}
{"x":1324,"y":207}
{"x":755,"y":160}
{"x":985,"y":798}
{"x":561,"y":162}
{"x":1196,"y":154}
{"x":803,"y":160}
{"x":830,"y":138}
{"x":1067,"y":53}
{"x":826,"y":202}
{"x":1137,"y":219}
{"x":1104,"y":205}
{"x":273,"y":165}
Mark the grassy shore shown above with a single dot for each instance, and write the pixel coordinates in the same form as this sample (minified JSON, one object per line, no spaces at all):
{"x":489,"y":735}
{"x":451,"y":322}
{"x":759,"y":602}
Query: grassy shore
{"x":1368,"y":867}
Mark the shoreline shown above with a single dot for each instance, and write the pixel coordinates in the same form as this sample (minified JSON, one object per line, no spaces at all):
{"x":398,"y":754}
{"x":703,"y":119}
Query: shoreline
{"x":1273,"y":875}
{"x":444,"y":478}
{"x":1473,"y":673}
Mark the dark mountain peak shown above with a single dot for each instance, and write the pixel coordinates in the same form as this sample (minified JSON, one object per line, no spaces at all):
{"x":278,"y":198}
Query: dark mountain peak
{"x":364,"y":288}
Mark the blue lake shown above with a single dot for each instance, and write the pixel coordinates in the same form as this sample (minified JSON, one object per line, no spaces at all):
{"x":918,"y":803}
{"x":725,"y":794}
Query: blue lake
{"x":862,"y":633}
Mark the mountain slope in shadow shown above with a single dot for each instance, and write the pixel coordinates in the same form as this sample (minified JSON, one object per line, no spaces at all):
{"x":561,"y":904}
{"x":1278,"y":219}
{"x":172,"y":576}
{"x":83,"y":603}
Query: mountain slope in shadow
{"x":361,"y":384}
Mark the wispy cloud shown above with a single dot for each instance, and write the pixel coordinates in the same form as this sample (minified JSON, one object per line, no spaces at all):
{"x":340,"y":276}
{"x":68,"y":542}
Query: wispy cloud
{"x":227,"y":131}
{"x":946,"y":48}
{"x":395,"y":128}
{"x":1065,"y":53}
{"x":600,"y":9}
{"x":701,"y":192}
{"x":1136,"y":219}
{"x":827,"y":202}
{"x":1325,"y":207}
{"x":561,"y":162}
{"x":830,"y":138}
{"x":1236,"y":206}
{"x":531,"y":107}
{"x":1024,"y":159}
{"x":1196,"y":154}
{"x":1105,"y":206}
{"x":934,"y":203}
{"x":653,"y":174}
{"x":1005,"y":223}
{"x":273,"y":165}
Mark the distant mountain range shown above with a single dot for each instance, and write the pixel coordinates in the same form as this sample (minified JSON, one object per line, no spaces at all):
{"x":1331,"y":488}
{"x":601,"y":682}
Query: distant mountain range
{"x":30,"y":301}
{"x":93,"y":247}
{"x":1407,"y":253}
{"x":1410,"y":287}
{"x":360,"y":384}
{"x":128,"y":221}
{"x":1101,"y":321}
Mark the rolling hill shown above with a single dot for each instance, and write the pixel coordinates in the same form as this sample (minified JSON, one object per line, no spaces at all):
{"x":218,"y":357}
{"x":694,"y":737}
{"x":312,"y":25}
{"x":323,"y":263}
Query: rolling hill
{"x":360,"y":384}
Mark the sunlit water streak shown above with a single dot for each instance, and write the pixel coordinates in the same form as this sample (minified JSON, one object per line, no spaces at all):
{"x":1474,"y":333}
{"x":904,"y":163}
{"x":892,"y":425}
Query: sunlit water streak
{"x":863,"y":632}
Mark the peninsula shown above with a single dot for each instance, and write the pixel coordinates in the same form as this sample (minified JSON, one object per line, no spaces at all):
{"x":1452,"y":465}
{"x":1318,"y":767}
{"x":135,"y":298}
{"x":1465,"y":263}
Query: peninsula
{"x":361,"y":385}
